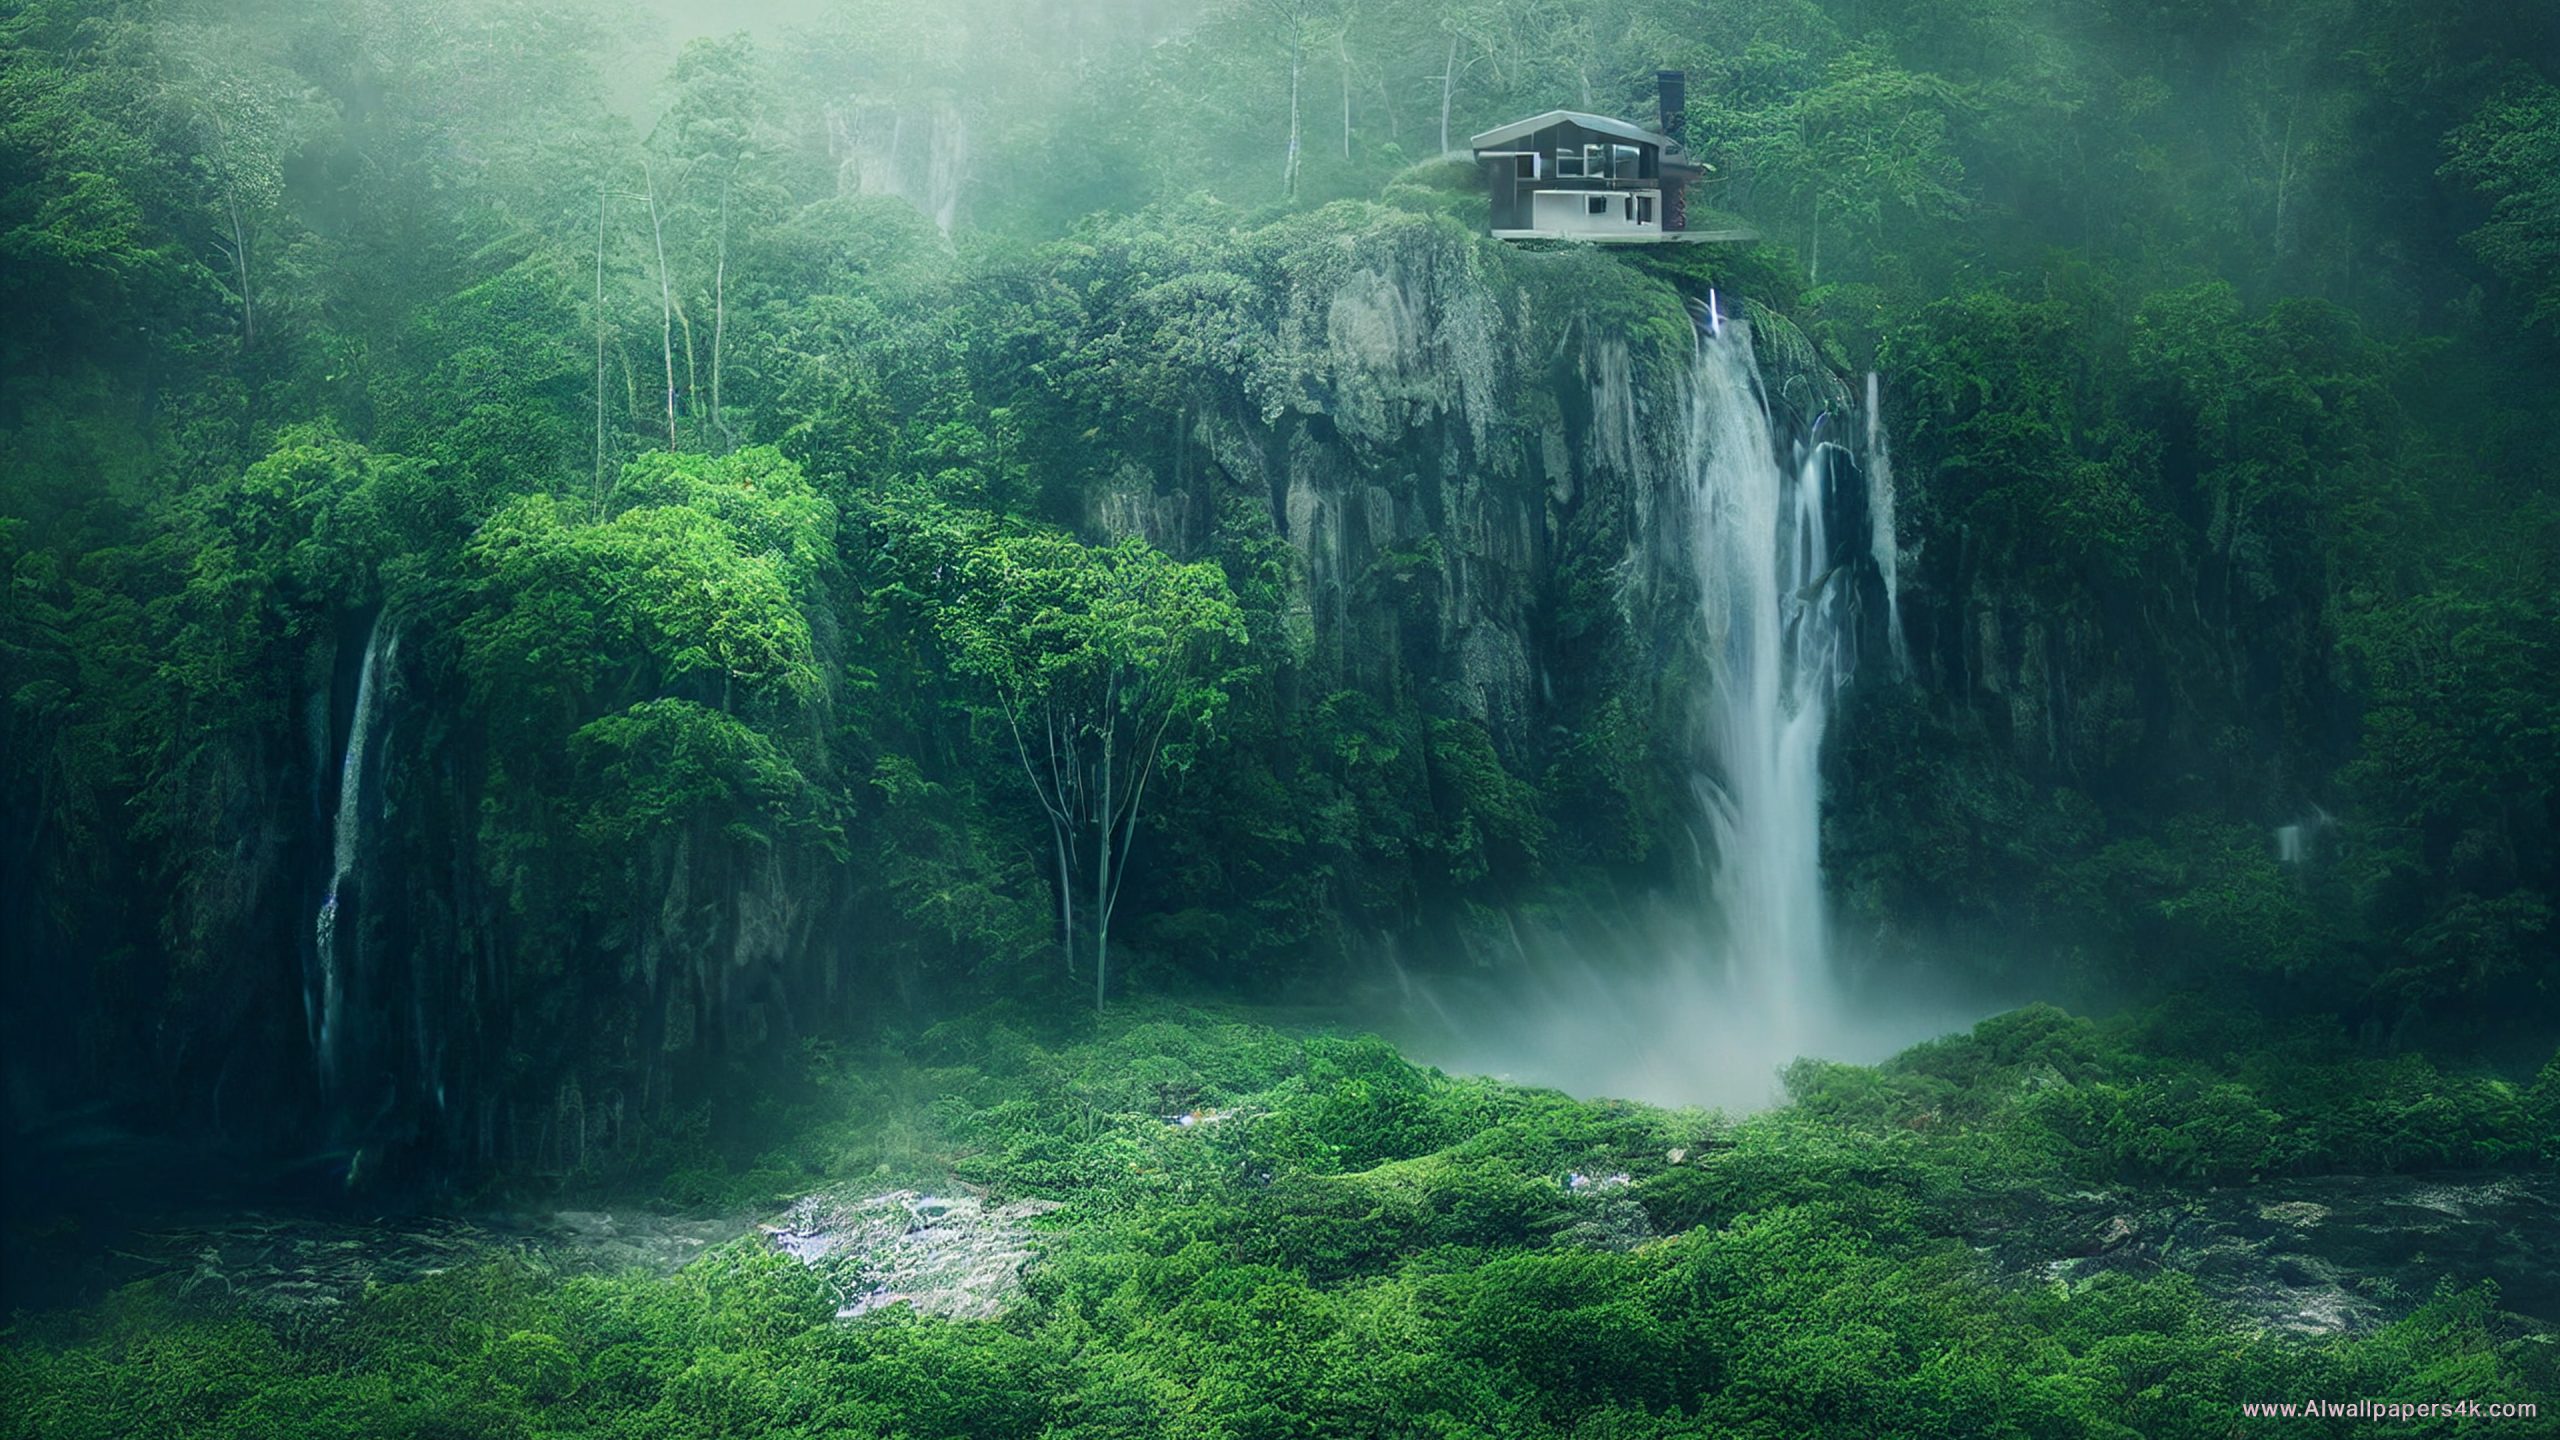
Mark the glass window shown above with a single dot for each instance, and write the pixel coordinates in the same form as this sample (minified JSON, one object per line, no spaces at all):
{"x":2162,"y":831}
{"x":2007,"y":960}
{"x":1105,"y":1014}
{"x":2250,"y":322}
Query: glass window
{"x":1644,"y":209}
{"x":1598,"y":204}
{"x":1526,"y":166}
{"x":1622,"y":161}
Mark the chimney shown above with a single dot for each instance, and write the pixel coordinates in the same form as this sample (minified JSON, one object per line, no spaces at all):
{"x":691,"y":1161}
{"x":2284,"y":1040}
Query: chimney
{"x":1673,"y":87}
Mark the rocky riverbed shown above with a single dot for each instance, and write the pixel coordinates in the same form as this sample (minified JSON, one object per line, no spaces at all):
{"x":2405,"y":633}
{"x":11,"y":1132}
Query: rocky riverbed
{"x":2318,"y":1255}
{"x":2315,"y":1255}
{"x":948,"y":1254}
{"x":944,"y":1254}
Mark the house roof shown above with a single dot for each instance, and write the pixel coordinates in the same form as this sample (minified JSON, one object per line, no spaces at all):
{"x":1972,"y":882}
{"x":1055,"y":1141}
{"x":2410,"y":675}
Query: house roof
{"x":1518,"y":129}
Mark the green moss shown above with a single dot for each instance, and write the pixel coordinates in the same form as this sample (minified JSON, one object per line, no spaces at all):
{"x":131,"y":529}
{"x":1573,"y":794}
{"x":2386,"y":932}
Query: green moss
{"x":1340,"y":1243}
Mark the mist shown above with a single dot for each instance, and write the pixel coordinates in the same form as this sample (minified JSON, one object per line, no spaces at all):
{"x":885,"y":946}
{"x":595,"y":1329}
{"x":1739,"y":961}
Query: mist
{"x":1648,"y":1008}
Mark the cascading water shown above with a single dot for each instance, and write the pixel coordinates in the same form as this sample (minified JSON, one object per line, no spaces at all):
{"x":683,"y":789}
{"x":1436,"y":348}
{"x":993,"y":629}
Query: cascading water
{"x":878,"y":152}
{"x":1883,"y":546}
{"x":1771,"y":623}
{"x":326,"y":1012}
{"x":2295,"y":842}
{"x":1764,"y":548}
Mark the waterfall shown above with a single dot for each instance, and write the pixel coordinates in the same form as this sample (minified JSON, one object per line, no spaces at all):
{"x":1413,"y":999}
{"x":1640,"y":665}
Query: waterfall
{"x":2295,"y":842}
{"x":1772,"y":629}
{"x":1759,"y":537}
{"x":328,"y":1013}
{"x":1881,"y":543}
{"x":877,"y":152}
{"x":946,"y":162}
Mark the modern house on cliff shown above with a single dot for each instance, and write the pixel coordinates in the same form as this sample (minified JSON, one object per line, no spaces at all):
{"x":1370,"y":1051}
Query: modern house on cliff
{"x":1565,"y":175}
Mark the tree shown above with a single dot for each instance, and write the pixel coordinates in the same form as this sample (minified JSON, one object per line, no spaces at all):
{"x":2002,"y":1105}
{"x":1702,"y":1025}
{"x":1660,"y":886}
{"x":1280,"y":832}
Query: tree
{"x":2510,"y":152}
{"x":1292,"y":17}
{"x":240,"y":141}
{"x":696,"y":587}
{"x":1106,"y":664}
{"x":1872,"y":141}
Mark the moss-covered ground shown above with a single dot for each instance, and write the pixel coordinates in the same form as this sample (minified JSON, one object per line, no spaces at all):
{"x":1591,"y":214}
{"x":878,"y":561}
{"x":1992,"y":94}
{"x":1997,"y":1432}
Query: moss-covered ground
{"x":1340,"y":1243}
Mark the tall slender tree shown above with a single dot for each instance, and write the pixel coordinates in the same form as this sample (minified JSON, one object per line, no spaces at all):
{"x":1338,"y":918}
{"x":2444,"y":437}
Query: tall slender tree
{"x":1106,"y":666}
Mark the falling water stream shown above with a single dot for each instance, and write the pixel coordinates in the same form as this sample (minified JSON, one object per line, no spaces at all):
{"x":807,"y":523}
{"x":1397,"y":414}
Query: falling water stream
{"x":333,"y":943}
{"x":1773,"y":530}
{"x":1882,"y":545}
{"x":1770,"y":620}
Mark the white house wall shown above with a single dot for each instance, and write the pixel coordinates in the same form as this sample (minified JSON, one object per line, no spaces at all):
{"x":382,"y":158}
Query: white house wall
{"x":1566,"y":212}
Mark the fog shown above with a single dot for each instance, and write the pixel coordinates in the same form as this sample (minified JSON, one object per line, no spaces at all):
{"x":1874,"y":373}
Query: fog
{"x":1646,"y":1008}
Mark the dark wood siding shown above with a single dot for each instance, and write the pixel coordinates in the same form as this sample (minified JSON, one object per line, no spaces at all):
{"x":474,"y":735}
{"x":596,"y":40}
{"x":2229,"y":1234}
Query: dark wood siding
{"x":1510,"y":197}
{"x":1512,"y":205}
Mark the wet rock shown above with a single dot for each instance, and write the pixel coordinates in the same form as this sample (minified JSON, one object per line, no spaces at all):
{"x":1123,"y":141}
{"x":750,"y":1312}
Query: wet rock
{"x":949,"y":1255}
{"x":2300,"y":1214}
{"x":292,"y":1268}
{"x":1608,"y":1223}
{"x":2113,"y":1234}
{"x":2316,"y":1255}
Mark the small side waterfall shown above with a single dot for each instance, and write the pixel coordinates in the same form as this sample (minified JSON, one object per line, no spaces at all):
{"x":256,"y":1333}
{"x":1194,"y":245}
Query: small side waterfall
{"x":878,"y":149}
{"x":2295,"y":843}
{"x":335,"y":944}
{"x":1882,"y":544}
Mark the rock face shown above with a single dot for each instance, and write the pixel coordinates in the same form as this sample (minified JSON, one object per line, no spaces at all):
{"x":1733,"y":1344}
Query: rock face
{"x":2320,"y":1255}
{"x":1477,"y":457}
{"x":948,"y":1255}
{"x":1437,"y":427}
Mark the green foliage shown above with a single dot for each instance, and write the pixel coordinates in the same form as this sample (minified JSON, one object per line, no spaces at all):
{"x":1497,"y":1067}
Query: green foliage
{"x":1491,"y":819}
{"x":673,"y":595}
{"x":1796,"y":1272}
{"x":1050,"y":622}
{"x":2459,"y":741}
{"x":2218,"y":900}
{"x":667,"y":764}
{"x":2227,"y":486}
{"x":254,"y":562}
{"x":2022,"y":442}
{"x":2174,"y":1094}
{"x":2510,"y":151}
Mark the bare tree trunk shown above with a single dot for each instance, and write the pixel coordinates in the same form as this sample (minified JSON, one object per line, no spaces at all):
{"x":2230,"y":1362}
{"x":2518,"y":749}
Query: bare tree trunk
{"x":1129,"y":822}
{"x":1448,"y":79}
{"x":1055,"y":801}
{"x":666,"y":302}
{"x":240,"y":261}
{"x":1066,"y":897}
{"x":239,"y":233}
{"x":1062,"y":779}
{"x":1342,"y":51}
{"x":599,"y":304}
{"x":692,"y":390}
{"x":2284,"y":178}
{"x":1102,"y":863}
{"x":1813,"y":267}
{"x":720,"y":314}
{"x":1297,"y":66}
